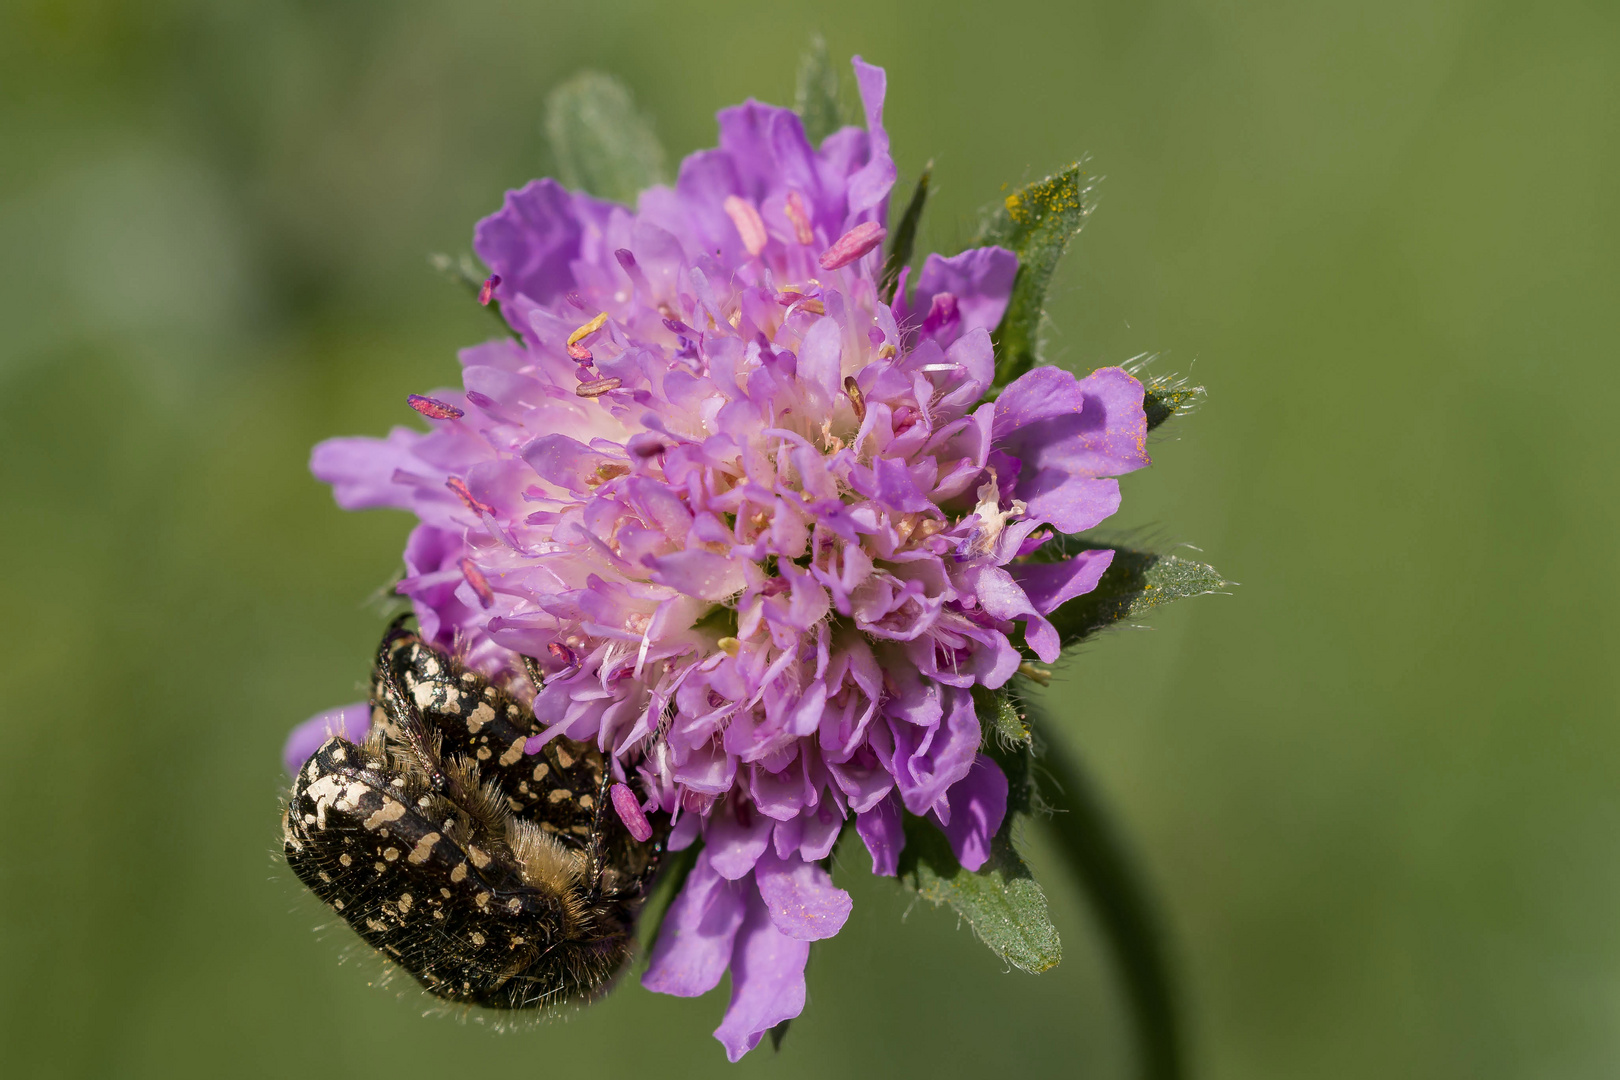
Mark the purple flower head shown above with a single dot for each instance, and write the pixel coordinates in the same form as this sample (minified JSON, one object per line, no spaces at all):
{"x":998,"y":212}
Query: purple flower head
{"x":755,"y":526}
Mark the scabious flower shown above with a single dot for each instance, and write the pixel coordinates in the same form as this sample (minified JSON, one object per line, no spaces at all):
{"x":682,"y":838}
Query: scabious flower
{"x":758,"y":525}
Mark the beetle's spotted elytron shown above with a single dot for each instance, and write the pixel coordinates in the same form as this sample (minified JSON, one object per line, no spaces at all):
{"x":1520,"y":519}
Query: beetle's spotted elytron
{"x":494,"y":877}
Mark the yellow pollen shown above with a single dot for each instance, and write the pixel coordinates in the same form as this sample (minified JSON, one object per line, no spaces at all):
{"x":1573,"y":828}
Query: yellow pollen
{"x":729,"y":645}
{"x":588,"y":329}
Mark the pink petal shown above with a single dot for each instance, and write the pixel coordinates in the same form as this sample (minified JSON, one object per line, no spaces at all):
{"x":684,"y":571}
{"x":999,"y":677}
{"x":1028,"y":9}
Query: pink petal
{"x":882,"y":831}
{"x":977,"y":804}
{"x":803,"y":902}
{"x":695,"y":942}
{"x":767,"y":982}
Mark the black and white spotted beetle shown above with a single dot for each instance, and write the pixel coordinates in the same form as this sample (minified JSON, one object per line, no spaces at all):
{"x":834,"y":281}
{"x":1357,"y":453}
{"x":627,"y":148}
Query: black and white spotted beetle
{"x":495,"y":878}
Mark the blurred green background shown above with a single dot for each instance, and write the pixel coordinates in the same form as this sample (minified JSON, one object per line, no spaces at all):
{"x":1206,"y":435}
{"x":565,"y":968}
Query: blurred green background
{"x":1375,"y":789}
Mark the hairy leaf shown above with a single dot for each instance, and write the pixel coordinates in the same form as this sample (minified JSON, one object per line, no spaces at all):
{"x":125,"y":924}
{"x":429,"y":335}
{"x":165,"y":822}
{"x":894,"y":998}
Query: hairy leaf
{"x":602,"y":143}
{"x":1135,"y":583}
{"x":1001,"y":900}
{"x":905,"y":238}
{"x":815,"y":98}
{"x":1166,"y":396}
{"x":1036,"y":223}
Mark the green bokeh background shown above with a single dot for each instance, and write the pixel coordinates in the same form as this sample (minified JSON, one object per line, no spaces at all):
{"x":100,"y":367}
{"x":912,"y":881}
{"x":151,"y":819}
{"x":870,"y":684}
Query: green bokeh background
{"x":1375,"y":788}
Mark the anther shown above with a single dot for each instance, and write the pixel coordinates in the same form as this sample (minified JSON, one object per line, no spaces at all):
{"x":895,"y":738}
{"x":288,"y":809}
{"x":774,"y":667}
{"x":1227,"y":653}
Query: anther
{"x":749,"y":225}
{"x":1040,"y":675}
{"x":588,"y":329}
{"x":476,"y":505}
{"x":487,"y":293}
{"x":852,"y":245}
{"x":856,"y":398}
{"x":729,"y":645}
{"x":801,"y":219}
{"x":629,"y":811}
{"x":433,"y":408}
{"x":580,"y":353}
{"x":475,"y":578}
{"x":597,"y":387}
{"x":562,"y":654}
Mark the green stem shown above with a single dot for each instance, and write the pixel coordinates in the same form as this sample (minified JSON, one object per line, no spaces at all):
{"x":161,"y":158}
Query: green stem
{"x":1106,"y":871}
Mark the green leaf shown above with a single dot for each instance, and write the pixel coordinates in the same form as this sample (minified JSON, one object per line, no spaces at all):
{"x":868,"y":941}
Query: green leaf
{"x":1096,"y":852}
{"x":1166,"y":396}
{"x":1135,"y":583}
{"x":1000,"y":716}
{"x":1036,"y":223}
{"x":1001,"y":900}
{"x":603,"y":145}
{"x":905,"y":237}
{"x":815,"y":98}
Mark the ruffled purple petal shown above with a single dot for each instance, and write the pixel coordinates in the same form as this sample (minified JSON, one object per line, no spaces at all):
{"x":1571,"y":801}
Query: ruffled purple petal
{"x":803,"y":901}
{"x":767,"y":981}
{"x":1066,"y":433}
{"x":533,"y":240}
{"x":363,"y":471}
{"x":869,"y":187}
{"x":735,"y":846}
{"x":976,"y":805}
{"x":695,"y":941}
{"x":882,"y":831}
{"x":1050,"y":585}
{"x":979,"y":280}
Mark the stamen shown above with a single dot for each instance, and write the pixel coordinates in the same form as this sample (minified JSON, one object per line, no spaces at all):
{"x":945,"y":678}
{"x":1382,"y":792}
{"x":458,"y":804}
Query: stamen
{"x":852,"y":245}
{"x":597,"y":388}
{"x":433,"y":408}
{"x":487,"y":293}
{"x":486,"y":596}
{"x":588,"y":329}
{"x":580,"y":353}
{"x":729,"y":645}
{"x":749,"y":224}
{"x":629,"y":811}
{"x":801,"y":219}
{"x":856,"y":398}
{"x":459,"y":486}
{"x":562,"y":654}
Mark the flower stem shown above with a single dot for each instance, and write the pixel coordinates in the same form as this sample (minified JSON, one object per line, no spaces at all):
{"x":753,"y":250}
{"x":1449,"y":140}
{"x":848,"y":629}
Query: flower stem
{"x":1094,"y":849}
